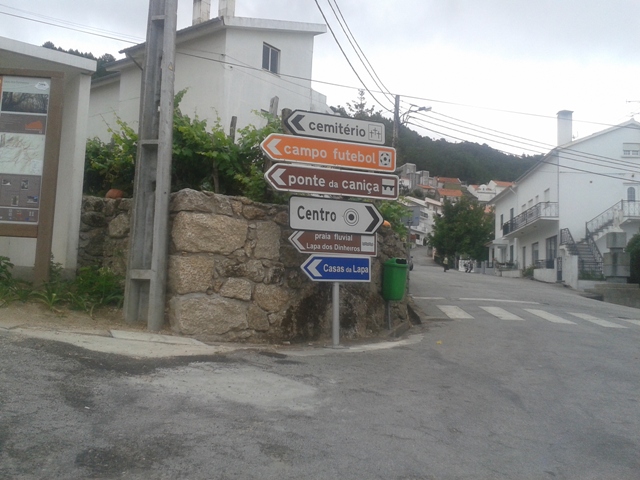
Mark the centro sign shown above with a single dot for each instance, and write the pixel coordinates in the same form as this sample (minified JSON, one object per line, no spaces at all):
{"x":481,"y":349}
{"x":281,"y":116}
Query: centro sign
{"x":321,"y":214}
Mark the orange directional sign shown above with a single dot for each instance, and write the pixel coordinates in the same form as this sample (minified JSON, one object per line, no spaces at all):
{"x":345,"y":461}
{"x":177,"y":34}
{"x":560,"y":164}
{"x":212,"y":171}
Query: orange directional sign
{"x":289,"y":148}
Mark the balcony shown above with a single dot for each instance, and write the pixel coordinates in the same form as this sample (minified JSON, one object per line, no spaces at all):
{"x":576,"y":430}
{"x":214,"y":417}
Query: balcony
{"x":531,"y":218}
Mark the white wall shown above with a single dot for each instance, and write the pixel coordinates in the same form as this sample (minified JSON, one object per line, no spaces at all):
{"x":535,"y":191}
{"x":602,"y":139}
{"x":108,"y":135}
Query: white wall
{"x":223,"y":75}
{"x":102,"y":115}
{"x":584,"y":196}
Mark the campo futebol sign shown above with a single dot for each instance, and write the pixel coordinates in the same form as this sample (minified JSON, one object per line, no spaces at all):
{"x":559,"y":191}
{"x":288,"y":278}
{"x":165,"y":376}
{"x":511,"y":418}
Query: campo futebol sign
{"x":24,"y":108}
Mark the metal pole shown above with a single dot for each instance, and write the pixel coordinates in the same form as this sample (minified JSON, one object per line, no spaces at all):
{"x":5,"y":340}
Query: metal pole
{"x":335,"y":329}
{"x":396,"y":122}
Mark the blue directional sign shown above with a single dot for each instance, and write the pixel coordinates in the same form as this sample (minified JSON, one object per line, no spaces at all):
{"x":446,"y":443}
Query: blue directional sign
{"x":329,"y":268}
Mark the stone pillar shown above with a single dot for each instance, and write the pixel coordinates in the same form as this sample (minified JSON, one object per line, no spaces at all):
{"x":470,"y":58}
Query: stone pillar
{"x":616,"y":263}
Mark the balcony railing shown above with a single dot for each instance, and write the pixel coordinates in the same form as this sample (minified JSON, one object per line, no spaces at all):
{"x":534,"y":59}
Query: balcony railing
{"x":621,"y":211}
{"x":533,"y":214}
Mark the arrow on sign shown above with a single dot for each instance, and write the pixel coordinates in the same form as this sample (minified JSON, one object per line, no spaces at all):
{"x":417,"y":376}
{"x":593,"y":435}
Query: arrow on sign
{"x":312,"y":268}
{"x":296,"y":122}
{"x":271,"y":144}
{"x":321,"y":268}
{"x":276,"y":176}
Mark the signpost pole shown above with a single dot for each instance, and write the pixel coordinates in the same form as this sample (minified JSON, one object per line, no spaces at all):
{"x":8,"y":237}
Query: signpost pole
{"x":335,"y":329}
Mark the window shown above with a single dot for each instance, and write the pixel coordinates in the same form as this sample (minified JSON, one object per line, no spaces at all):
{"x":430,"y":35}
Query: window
{"x":547,"y":195}
{"x":552,"y":250}
{"x":534,"y":253}
{"x":270,"y":58}
{"x":631,"y":194}
{"x":631,"y":149}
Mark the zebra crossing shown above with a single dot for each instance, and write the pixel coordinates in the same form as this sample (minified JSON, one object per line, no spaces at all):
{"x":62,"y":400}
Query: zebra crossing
{"x":515,"y":313}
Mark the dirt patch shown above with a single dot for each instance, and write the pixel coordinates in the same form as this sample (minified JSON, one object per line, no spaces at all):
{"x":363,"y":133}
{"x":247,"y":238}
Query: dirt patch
{"x":34,"y":314}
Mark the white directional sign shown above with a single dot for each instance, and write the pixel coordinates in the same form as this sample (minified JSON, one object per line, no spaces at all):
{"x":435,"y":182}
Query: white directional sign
{"x":333,"y":127}
{"x":325,"y":215}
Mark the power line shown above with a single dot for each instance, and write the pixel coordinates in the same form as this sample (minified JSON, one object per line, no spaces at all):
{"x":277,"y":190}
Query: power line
{"x":347,"y":58}
{"x":110,"y":37}
{"x":546,"y":146}
{"x":571,"y":156}
{"x":359,"y":52}
{"x":526,"y":145}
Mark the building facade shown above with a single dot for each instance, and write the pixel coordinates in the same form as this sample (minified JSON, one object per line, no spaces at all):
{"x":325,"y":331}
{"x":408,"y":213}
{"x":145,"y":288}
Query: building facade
{"x":556,"y":216}
{"x":428,"y":208}
{"x":229,"y":66}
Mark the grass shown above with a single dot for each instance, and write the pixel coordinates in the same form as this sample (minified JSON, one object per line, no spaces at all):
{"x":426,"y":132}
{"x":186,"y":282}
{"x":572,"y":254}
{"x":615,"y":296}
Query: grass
{"x":93,"y":287}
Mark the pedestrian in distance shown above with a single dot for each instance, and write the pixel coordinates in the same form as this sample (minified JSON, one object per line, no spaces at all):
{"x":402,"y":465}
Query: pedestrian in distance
{"x":445,"y":263}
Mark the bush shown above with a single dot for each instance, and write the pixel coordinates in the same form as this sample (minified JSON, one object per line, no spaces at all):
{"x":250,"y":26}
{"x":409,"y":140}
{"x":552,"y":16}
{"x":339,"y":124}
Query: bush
{"x":633,"y":249}
{"x":203,"y":158}
{"x":528,"y":272}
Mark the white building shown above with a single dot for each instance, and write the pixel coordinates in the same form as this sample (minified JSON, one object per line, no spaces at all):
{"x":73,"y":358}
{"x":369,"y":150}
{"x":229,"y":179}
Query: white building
{"x":557,"y":214}
{"x":411,"y":178}
{"x":230,"y":66}
{"x":485,"y":192}
{"x":429,"y":208}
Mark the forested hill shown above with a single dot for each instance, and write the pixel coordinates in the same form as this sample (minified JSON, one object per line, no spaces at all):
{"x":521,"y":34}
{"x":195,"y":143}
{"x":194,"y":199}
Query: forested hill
{"x":471,"y":162}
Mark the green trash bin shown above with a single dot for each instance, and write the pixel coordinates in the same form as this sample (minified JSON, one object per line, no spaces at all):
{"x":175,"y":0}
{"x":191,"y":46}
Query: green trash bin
{"x":394,"y":278}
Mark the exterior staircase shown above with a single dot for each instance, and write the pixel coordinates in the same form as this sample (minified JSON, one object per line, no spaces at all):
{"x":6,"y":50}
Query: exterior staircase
{"x":589,"y":257}
{"x":588,"y":261}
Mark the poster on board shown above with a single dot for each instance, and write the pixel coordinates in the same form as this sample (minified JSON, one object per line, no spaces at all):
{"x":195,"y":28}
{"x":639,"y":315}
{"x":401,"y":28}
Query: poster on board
{"x":24,"y":107}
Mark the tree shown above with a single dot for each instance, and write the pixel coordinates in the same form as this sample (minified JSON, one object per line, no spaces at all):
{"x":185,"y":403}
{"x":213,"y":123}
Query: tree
{"x":105,"y":59}
{"x":633,"y":249}
{"x":464,"y":228}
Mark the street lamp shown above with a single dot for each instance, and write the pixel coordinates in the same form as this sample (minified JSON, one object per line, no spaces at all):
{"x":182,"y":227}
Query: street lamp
{"x":403,"y":119}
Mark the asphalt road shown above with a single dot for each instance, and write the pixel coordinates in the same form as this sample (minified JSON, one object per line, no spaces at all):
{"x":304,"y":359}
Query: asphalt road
{"x":476,"y":394}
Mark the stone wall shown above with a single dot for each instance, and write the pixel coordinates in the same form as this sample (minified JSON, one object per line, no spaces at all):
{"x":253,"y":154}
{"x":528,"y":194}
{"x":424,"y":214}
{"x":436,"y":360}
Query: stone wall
{"x":234,"y":276}
{"x":104,"y":233}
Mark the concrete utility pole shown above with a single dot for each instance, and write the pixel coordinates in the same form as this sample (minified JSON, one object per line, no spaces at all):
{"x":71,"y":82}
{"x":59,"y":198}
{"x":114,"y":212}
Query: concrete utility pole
{"x":145,"y":287}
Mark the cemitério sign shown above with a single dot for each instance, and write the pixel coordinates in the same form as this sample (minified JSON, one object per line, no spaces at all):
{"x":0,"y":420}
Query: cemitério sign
{"x":333,"y":127}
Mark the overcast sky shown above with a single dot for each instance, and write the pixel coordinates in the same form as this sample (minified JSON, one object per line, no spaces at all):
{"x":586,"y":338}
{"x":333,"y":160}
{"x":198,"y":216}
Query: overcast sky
{"x":505,"y":66}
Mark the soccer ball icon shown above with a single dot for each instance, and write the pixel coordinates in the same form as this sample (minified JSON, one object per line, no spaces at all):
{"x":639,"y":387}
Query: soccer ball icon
{"x":384,"y":159}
